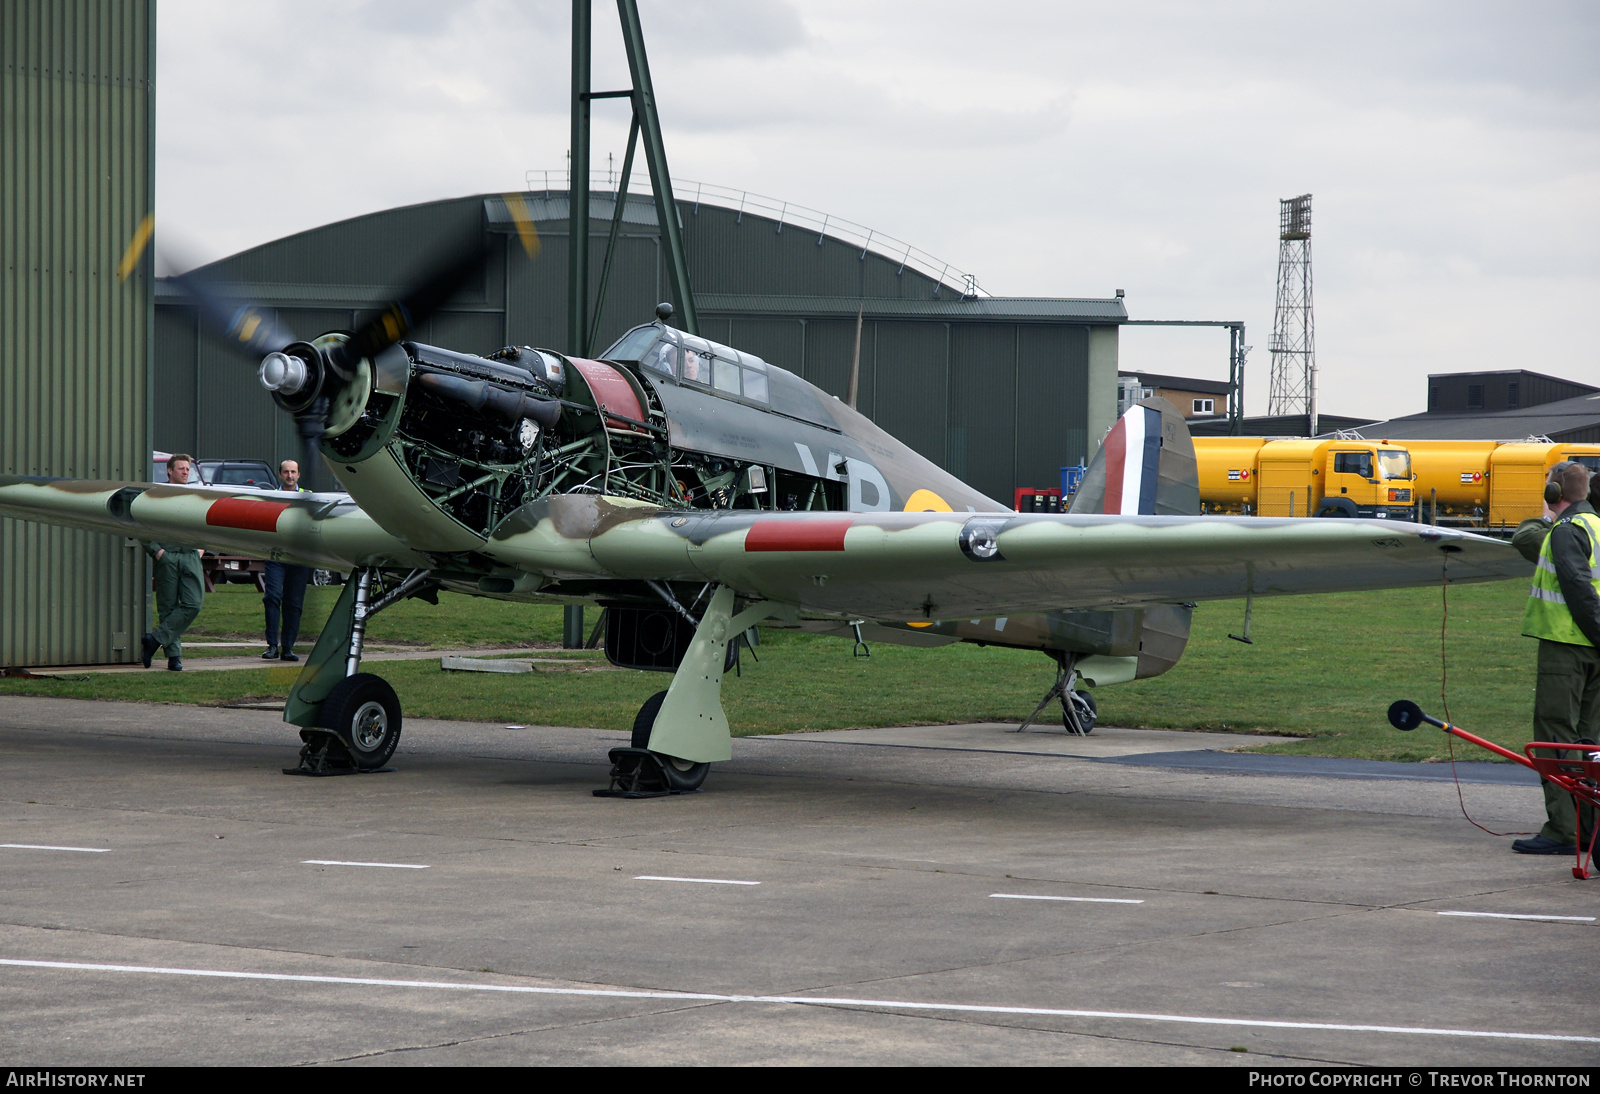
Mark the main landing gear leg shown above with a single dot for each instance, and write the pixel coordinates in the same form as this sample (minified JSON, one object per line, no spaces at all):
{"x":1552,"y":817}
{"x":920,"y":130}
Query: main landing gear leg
{"x":350,"y":720}
{"x":679,"y":733}
{"x":1078,"y":708}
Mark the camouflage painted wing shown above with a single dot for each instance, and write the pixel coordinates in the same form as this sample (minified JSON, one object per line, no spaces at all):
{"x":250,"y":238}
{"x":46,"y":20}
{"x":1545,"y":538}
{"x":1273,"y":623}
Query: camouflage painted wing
{"x":323,"y":530}
{"x":922,"y":566}
{"x":885,"y":566}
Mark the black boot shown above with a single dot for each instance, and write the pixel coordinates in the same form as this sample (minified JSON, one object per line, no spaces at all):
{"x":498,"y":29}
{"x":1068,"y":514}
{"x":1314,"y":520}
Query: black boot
{"x":174,"y":664}
{"x":271,"y":654}
{"x":147,"y":649}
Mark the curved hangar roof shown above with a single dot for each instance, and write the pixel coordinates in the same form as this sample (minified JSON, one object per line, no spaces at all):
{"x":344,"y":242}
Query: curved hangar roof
{"x":1001,"y":391}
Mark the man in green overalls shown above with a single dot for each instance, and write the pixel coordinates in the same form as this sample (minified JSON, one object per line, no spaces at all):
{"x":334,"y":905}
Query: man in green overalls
{"x":180,"y":584}
{"x":1564,"y":615}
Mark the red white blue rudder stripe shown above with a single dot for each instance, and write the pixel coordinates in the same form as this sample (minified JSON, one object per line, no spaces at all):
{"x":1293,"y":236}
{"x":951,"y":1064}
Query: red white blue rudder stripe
{"x":1133,"y":462}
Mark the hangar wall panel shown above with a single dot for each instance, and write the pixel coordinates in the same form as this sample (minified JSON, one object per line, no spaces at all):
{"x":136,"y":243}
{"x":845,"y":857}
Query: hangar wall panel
{"x":983,"y":407}
{"x":1053,"y":368}
{"x":829,"y":345}
{"x":76,"y":182}
{"x":636,"y":286}
{"x":177,"y":346}
{"x":912,"y":396}
{"x":1101,"y":385}
{"x":781,"y":341}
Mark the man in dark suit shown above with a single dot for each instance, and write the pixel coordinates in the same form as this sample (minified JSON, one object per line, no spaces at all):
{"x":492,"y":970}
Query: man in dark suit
{"x":286,"y":589}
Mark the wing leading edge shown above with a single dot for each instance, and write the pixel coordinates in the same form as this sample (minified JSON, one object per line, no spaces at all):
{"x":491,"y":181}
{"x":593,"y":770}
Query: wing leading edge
{"x":919,"y":566}
{"x":325,"y":530}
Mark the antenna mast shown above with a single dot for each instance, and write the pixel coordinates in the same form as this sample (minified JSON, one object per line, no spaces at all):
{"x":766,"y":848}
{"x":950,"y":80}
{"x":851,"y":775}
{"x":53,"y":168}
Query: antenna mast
{"x":1294,"y":355}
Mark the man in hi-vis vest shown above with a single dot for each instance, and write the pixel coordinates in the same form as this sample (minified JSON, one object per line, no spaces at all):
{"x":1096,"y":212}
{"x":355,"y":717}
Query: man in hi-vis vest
{"x":1564,"y":615}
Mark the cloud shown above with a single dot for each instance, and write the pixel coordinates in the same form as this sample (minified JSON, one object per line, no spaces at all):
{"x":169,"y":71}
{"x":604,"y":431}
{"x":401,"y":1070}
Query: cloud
{"x":1053,"y":149}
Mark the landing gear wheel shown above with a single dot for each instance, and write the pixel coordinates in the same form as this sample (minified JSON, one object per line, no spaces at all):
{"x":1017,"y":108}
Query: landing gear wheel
{"x":364,"y":713}
{"x":1084,"y":706}
{"x":681,"y":775}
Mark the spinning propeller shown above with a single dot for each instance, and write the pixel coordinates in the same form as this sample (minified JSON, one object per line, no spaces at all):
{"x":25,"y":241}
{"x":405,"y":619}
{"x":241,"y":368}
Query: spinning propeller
{"x":304,"y":378}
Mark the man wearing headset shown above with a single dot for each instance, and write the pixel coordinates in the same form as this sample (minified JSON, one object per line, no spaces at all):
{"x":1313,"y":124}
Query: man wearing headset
{"x":1563,"y":613}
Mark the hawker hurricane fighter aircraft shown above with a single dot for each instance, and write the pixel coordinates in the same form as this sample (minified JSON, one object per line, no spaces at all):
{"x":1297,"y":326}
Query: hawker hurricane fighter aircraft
{"x":694,"y":490}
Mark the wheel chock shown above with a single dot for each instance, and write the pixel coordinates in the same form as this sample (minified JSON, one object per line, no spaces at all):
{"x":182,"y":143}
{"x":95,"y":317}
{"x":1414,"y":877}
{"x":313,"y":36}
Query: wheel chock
{"x":637,"y":773}
{"x":323,"y":755}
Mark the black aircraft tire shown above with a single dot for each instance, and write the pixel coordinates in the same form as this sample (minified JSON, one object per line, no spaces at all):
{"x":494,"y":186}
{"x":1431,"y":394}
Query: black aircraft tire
{"x":645,"y":720}
{"x":364,"y":713}
{"x":1094,"y":712}
{"x":682,"y":775}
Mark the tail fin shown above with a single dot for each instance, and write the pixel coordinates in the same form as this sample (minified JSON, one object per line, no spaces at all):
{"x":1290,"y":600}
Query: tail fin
{"x":1145,"y":466}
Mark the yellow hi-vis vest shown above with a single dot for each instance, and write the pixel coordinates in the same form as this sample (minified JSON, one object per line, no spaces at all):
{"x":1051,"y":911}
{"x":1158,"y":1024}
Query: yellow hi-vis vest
{"x":1547,"y":615}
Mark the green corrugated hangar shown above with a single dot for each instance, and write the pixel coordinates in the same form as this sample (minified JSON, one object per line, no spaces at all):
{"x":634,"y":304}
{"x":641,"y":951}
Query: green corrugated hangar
{"x":1002,"y":392}
{"x":76,"y":185}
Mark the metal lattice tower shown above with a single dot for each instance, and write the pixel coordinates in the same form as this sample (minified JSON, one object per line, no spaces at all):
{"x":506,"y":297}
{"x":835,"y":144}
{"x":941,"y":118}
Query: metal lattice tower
{"x":1294,"y":355}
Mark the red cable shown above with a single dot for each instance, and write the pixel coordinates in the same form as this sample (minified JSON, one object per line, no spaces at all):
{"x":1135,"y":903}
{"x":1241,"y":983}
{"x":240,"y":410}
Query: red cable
{"x":1444,"y":620}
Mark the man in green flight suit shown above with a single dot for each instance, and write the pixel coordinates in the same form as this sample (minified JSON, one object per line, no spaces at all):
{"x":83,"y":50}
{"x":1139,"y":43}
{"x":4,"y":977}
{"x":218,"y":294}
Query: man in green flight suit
{"x":180,"y":584}
{"x":1563,"y":613}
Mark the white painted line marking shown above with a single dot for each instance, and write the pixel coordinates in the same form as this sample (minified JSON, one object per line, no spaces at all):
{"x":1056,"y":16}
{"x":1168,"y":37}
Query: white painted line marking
{"x":1074,"y":899}
{"x":1509,"y":915}
{"x":48,"y":847}
{"x":798,"y":1000}
{"x":336,"y":862}
{"x":695,"y":880}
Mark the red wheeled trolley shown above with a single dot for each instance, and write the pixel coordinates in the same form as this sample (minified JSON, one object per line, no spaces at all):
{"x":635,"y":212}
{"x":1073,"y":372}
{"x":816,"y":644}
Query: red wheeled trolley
{"x":1578,"y":772}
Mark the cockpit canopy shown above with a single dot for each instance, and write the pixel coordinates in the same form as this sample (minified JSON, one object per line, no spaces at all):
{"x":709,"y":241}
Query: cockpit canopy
{"x":689,"y":359}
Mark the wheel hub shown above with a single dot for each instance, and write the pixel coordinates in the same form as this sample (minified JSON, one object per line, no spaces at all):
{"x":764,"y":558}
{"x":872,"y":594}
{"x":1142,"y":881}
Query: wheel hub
{"x":369,"y":726}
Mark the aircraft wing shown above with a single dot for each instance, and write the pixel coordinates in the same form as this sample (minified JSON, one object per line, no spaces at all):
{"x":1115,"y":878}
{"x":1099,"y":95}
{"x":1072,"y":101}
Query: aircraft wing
{"x":322,"y":530}
{"x":883,"y":565}
{"x":921,"y":566}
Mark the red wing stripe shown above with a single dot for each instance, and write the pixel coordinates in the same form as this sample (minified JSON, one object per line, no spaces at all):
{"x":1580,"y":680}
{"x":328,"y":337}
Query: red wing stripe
{"x":796,"y":535}
{"x":246,"y":513}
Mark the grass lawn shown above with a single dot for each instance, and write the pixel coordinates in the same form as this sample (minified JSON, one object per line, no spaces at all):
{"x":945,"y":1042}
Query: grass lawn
{"x":1323,"y":669}
{"x":235,"y":612}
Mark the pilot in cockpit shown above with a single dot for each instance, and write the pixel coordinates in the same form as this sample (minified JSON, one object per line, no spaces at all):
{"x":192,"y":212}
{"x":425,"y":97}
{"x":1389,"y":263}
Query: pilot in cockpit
{"x":664,"y":358}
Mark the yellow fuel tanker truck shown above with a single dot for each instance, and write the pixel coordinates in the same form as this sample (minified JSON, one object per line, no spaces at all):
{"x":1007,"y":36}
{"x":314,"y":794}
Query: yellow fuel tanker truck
{"x":1479,"y":484}
{"x":1488,"y":484}
{"x":1298,"y":478}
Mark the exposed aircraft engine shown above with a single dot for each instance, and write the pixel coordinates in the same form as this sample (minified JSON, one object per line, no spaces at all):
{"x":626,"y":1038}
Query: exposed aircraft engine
{"x":477,"y":437}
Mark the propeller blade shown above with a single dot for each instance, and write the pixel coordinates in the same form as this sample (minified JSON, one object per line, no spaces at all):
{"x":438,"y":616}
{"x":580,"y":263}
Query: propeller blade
{"x":248,"y":328}
{"x":404,"y":315}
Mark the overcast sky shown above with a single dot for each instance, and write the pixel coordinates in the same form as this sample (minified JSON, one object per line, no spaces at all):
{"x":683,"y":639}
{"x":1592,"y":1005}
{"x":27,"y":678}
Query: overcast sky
{"x":1052,"y":149}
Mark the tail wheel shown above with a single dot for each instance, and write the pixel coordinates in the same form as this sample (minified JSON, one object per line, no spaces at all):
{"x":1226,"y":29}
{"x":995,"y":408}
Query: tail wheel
{"x":364,"y":713}
{"x":682,"y":775}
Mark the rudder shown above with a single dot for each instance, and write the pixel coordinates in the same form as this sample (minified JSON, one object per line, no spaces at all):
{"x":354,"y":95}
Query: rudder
{"x":1145,"y":466}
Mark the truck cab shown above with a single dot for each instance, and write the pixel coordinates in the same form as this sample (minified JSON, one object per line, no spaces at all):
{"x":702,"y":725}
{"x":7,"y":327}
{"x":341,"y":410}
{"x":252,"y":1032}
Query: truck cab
{"x":1366,"y":480}
{"x":1334,"y":478}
